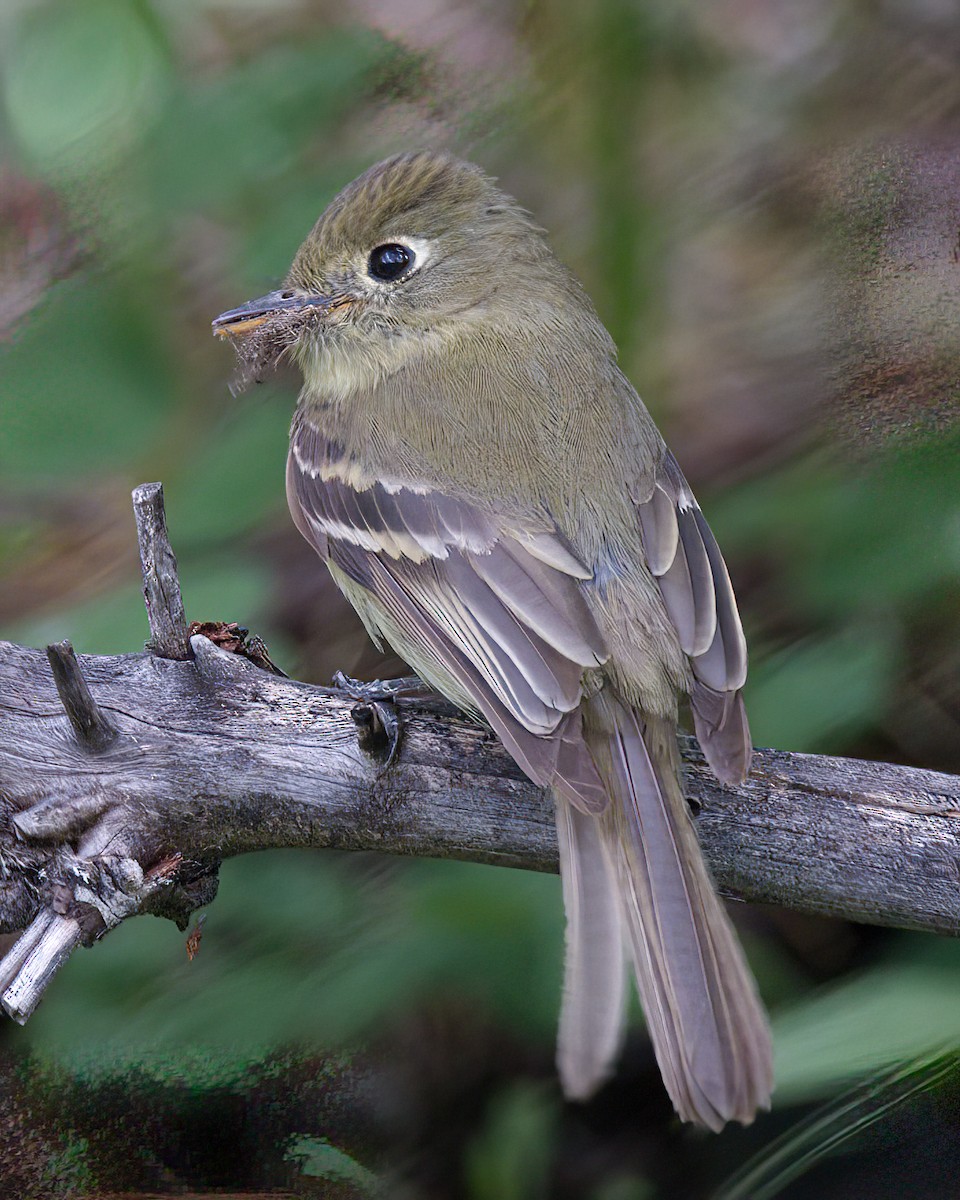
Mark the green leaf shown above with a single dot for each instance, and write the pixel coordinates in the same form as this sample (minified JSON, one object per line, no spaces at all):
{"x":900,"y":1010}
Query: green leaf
{"x":890,"y":1014}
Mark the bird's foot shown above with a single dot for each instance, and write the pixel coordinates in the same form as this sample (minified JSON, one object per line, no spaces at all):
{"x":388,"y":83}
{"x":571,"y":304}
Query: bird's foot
{"x":379,"y":728}
{"x":382,"y":690}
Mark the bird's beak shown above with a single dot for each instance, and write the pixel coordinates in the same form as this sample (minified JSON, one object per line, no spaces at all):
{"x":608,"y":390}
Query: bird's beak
{"x":248,"y":316}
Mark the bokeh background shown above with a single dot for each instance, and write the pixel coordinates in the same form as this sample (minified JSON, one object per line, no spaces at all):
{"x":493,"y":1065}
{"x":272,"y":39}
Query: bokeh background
{"x":763,"y":199}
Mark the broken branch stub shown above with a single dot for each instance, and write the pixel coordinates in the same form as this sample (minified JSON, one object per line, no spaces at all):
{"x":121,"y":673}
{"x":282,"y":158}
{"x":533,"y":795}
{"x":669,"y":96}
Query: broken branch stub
{"x":92,"y":728}
{"x":161,"y":583}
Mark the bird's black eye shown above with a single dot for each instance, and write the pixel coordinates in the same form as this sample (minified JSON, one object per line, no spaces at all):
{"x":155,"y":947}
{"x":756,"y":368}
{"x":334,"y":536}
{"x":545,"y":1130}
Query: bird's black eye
{"x":391,"y":261}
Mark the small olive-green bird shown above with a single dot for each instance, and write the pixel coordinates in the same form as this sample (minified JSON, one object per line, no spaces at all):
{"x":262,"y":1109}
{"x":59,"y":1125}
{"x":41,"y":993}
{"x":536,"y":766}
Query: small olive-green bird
{"x":491,"y":495}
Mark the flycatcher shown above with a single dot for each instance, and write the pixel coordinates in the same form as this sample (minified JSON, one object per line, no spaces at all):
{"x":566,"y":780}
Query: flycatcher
{"x":491,"y":495}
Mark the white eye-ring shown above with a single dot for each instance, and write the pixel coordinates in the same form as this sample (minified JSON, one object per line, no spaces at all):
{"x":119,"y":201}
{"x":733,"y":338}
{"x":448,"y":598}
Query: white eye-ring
{"x":395,"y":259}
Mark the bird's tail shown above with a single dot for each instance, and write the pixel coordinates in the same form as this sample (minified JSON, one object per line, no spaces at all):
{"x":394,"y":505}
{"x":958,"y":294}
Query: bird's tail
{"x":634,"y":879}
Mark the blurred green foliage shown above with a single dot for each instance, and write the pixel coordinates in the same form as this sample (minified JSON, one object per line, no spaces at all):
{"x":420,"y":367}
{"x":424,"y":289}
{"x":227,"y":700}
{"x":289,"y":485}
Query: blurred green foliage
{"x":340,"y":947}
{"x":183,"y":150}
{"x":510,"y":1160}
{"x":318,"y":1158}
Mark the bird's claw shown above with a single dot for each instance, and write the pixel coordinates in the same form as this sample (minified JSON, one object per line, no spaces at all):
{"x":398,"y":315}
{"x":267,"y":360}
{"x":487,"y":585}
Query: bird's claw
{"x":378,"y":730}
{"x":379,"y":727}
{"x":383,"y":690}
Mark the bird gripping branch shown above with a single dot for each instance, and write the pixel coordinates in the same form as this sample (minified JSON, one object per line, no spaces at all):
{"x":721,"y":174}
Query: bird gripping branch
{"x":490,"y":493}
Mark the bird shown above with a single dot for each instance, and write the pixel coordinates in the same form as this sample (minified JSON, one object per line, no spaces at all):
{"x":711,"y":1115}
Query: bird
{"x":489,"y":492}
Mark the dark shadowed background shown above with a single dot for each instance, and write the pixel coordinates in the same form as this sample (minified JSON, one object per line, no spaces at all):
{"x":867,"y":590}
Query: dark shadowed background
{"x":764,"y":201}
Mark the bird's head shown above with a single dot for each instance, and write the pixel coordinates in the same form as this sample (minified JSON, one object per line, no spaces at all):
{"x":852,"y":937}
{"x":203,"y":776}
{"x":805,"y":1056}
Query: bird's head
{"x":419,"y":249}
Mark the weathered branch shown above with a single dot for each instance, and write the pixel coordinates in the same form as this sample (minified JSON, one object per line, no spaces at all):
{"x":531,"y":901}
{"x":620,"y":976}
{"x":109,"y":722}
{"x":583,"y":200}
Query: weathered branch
{"x":203,"y":758}
{"x":161,"y":584}
{"x":29,"y":968}
{"x":89,"y":723}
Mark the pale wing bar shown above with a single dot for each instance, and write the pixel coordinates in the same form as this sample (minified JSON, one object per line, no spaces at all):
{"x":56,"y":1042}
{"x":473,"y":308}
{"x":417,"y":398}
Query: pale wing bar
{"x":517,"y":628}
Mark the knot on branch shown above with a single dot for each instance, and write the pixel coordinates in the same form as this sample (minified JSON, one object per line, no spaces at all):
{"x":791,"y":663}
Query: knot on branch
{"x":97,"y":893}
{"x":101,"y":892}
{"x":80,"y":900}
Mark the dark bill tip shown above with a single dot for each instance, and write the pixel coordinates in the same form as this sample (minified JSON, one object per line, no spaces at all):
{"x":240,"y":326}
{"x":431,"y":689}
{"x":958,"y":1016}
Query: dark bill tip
{"x":255,"y":312}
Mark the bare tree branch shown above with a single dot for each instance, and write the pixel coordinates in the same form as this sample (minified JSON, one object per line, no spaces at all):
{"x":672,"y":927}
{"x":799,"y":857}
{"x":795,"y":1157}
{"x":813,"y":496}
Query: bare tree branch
{"x":124,"y":781}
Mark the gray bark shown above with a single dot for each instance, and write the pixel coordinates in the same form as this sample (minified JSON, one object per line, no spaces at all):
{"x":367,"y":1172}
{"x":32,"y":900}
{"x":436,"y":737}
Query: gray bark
{"x":125,"y":780}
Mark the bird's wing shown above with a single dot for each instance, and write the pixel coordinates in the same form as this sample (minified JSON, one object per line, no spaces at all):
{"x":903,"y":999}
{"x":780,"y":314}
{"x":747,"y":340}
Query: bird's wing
{"x":494,"y":610}
{"x":683,"y":556}
{"x":497,"y":610}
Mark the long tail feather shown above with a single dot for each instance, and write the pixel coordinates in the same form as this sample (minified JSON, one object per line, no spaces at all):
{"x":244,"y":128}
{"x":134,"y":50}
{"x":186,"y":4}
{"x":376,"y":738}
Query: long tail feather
{"x":592,"y":1015}
{"x":708,"y":1028}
